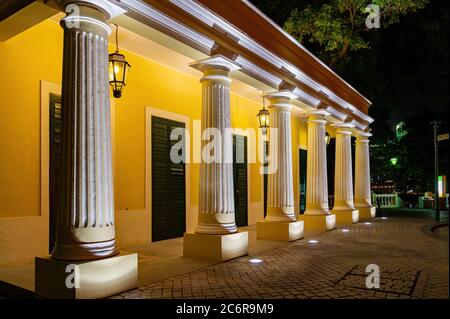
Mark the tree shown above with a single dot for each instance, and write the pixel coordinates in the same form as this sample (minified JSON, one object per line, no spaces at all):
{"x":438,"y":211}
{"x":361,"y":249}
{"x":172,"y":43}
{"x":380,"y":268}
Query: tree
{"x":403,"y":71}
{"x":338,"y":27}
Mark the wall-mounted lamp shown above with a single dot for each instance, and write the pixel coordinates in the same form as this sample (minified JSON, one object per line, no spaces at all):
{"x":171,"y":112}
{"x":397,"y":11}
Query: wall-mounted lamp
{"x":263,"y":118}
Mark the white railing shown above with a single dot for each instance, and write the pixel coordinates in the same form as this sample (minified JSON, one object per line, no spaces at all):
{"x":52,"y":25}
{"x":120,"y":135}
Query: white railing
{"x":386,"y":200}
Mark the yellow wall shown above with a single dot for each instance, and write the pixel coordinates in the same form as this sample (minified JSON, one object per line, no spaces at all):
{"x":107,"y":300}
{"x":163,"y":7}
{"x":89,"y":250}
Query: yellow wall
{"x":36,"y":55}
{"x":24,"y":61}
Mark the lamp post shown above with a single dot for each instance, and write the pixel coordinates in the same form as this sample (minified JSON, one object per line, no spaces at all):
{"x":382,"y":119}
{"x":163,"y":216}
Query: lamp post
{"x":437,"y":212}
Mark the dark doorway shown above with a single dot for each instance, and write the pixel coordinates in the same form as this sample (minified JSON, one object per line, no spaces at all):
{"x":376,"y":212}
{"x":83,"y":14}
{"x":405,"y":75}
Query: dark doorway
{"x":302,"y":160}
{"x":240,"y":180}
{"x":331,"y":163}
{"x":353,"y":146}
{"x":55,"y":165}
{"x":168,"y":183}
{"x":266,"y":177}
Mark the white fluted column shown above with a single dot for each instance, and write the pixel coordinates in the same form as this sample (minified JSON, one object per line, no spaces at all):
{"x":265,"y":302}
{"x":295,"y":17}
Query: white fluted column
{"x":316,"y":176}
{"x":216,"y":213}
{"x":343,"y":180}
{"x":86,"y":217}
{"x":280,"y":194}
{"x":362,"y":171}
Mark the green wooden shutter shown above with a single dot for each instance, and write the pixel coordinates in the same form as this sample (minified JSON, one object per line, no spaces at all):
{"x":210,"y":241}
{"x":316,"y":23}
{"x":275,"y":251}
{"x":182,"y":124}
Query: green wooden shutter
{"x":240,"y":179}
{"x":168,"y":183}
{"x":303,"y":169}
{"x":55,"y":143}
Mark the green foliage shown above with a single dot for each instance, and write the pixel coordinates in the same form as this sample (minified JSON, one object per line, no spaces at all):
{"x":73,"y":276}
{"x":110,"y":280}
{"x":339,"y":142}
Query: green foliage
{"x":338,"y":27}
{"x":404,"y":72}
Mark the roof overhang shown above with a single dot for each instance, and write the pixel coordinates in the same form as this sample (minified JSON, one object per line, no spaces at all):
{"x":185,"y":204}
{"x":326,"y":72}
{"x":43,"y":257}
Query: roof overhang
{"x":239,"y":31}
{"x":268,"y":58}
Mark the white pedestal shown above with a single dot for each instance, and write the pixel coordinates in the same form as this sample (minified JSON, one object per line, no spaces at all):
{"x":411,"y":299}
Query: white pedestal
{"x":319,"y":222}
{"x":367,"y":212}
{"x":346,"y":216}
{"x":215,"y":247}
{"x":288,"y":231}
{"x":96,"y":278}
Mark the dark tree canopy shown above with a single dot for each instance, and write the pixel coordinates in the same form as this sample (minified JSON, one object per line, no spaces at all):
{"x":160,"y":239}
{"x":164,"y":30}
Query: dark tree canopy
{"x":401,"y":67}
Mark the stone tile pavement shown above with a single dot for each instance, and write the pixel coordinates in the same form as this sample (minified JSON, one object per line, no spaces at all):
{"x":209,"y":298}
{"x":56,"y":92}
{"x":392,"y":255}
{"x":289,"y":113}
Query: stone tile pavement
{"x":412,"y":264}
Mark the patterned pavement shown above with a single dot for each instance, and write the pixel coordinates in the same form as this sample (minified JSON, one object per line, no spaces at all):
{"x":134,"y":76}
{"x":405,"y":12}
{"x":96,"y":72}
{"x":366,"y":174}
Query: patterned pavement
{"x":412,"y":264}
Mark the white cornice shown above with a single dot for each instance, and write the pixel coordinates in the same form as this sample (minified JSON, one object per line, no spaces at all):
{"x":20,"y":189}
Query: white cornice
{"x":306,"y":98}
{"x":213,"y":20}
{"x":257,"y":71}
{"x":293,"y":40}
{"x":208,"y":17}
{"x":339,"y":115}
{"x":178,"y":28}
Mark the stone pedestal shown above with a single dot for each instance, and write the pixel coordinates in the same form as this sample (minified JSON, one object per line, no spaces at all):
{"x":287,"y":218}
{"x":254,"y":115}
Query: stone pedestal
{"x":284,"y":231}
{"x":323,"y":222}
{"x":215,"y":247}
{"x":367,"y":212}
{"x":85,"y":279}
{"x":346,"y":216}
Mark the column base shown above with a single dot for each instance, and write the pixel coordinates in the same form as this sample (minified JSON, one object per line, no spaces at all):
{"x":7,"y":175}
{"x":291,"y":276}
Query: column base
{"x":319,"y":222}
{"x":215,"y":247}
{"x":96,"y":278}
{"x":286,"y":231}
{"x":367,"y":212}
{"x":346,"y":216}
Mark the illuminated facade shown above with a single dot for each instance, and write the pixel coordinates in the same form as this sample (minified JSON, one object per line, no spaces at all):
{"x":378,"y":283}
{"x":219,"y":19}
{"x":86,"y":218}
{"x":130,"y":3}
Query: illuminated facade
{"x":82,"y":172}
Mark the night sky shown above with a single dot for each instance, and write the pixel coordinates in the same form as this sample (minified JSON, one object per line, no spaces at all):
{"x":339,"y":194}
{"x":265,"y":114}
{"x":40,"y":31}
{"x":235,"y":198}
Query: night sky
{"x":405,"y":75}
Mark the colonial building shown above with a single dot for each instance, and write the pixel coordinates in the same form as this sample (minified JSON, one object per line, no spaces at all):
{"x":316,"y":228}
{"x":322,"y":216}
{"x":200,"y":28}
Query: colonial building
{"x":83,"y":172}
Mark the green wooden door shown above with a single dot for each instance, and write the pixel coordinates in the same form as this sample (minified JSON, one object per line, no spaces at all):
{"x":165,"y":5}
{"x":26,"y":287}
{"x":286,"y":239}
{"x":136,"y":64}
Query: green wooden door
{"x":240,"y":179}
{"x":55,"y":148}
{"x":168,"y":183}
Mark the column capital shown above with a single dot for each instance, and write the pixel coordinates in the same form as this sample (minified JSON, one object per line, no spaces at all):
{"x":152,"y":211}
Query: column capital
{"x":363,"y":136}
{"x":280,"y":99}
{"x":276,"y":95}
{"x":343,"y":128}
{"x":111,"y":9}
{"x":317,"y":116}
{"x":215,"y":62}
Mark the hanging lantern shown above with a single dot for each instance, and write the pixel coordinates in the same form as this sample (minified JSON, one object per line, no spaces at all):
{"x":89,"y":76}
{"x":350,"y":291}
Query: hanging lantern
{"x":263,"y":118}
{"x":118,"y":70}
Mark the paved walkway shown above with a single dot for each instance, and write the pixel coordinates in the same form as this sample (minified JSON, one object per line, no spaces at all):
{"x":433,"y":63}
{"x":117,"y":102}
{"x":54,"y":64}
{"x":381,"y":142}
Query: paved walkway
{"x":412,"y":263}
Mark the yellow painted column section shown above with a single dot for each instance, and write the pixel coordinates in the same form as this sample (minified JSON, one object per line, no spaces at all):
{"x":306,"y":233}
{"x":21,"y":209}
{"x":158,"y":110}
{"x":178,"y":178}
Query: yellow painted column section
{"x":362,"y":171}
{"x":316,"y":180}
